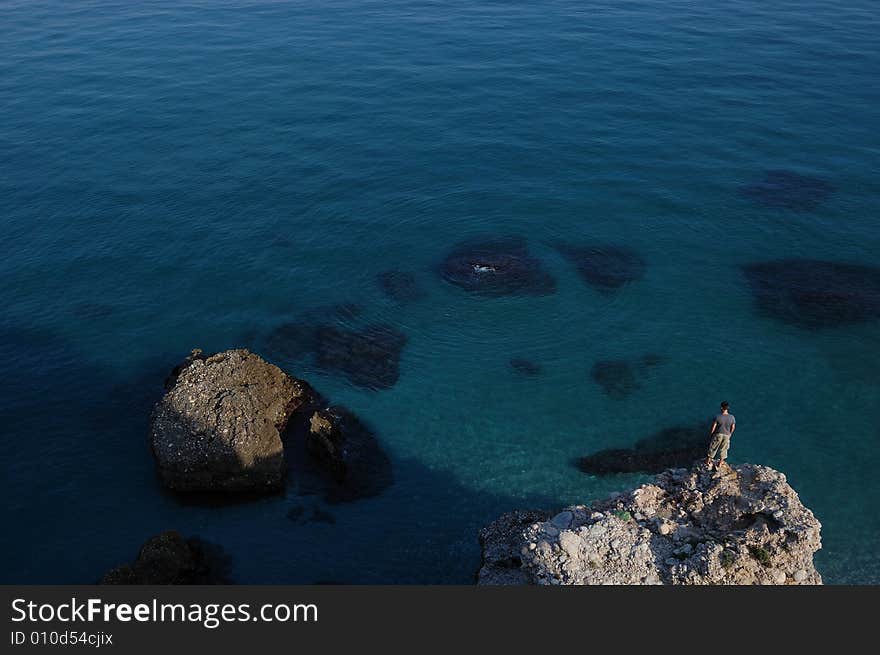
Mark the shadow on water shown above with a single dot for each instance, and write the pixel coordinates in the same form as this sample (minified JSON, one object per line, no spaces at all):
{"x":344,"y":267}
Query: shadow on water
{"x":75,"y":440}
{"x":422,"y":530}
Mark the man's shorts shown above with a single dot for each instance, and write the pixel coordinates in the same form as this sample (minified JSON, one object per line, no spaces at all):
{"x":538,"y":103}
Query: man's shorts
{"x":721,"y":441}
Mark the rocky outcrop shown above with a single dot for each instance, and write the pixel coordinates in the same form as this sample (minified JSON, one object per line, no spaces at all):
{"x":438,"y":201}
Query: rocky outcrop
{"x":219,"y":426}
{"x":168,"y":558}
{"x":349,"y":452}
{"x":736,"y":526}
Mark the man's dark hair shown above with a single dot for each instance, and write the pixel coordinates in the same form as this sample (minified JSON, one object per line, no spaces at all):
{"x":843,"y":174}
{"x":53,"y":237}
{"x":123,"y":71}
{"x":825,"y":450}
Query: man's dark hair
{"x":725,"y":404}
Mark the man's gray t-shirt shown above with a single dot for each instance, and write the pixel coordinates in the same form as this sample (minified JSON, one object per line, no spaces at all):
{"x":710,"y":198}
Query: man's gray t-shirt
{"x":725,"y":423}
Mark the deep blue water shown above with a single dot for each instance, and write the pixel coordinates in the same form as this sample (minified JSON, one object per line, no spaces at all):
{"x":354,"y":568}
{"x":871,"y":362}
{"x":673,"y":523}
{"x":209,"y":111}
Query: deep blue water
{"x":194,"y":174}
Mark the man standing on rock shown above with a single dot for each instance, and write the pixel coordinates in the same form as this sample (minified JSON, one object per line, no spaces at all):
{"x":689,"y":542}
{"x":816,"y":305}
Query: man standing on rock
{"x":720,"y":433}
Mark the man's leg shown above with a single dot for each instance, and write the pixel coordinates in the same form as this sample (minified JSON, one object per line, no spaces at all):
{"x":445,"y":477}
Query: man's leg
{"x":713,"y":446}
{"x":725,"y":446}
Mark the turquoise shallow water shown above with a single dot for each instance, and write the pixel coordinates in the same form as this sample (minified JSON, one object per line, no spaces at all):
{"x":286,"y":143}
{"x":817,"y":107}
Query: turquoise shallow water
{"x":182,"y":174}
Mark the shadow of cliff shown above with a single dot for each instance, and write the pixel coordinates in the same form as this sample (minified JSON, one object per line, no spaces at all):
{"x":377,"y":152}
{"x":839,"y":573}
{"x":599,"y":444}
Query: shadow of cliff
{"x":422,"y":530}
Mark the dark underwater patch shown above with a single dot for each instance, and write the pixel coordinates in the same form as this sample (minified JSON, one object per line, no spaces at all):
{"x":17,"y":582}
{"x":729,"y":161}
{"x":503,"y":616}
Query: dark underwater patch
{"x":292,"y":341}
{"x":619,"y":378}
{"x":605,"y":267}
{"x":497,"y":266}
{"x":367,"y":356}
{"x":815,"y":294}
{"x":400,"y":286}
{"x":788,"y":190}
{"x":525,"y":367}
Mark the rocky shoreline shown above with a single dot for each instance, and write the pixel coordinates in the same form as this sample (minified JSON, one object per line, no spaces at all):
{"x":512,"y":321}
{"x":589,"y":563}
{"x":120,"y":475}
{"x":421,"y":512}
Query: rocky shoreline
{"x":739,"y":526}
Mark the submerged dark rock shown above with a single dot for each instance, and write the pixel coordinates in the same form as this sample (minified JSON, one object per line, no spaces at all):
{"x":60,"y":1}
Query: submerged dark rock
{"x":292,"y":341}
{"x":347,"y":449}
{"x":368,"y":358}
{"x":677,"y":446}
{"x":788,"y":190}
{"x":299,"y":339}
{"x":605,"y":267}
{"x":525,"y":367}
{"x":169,"y":559}
{"x":218,"y":428}
{"x":619,"y":378}
{"x":400,"y":286}
{"x":815,"y":294}
{"x":497,"y":266}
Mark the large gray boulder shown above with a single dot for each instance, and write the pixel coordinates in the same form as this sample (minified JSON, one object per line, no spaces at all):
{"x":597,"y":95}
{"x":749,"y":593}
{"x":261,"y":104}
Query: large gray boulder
{"x":739,"y":526}
{"x":219,"y":426}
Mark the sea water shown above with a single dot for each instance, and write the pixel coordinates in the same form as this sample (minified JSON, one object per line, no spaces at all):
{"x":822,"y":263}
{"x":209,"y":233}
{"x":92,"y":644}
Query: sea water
{"x":195,"y":174}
